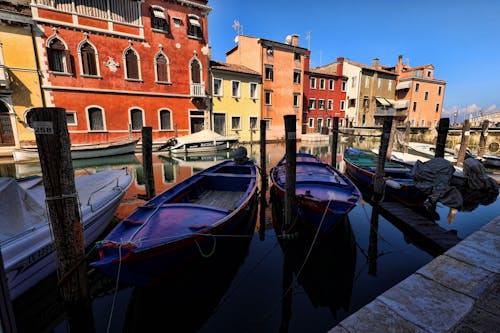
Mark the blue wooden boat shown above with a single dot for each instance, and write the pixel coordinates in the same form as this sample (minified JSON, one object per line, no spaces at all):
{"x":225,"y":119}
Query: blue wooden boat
{"x":399,"y":184}
{"x":180,"y":226}
{"x":323,"y":194}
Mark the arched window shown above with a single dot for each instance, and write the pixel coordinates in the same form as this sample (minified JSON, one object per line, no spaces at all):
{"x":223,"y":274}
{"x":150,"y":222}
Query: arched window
{"x":136,"y":119}
{"x":88,"y":56}
{"x":131,"y":65}
{"x":96,"y":119}
{"x":162,"y":68}
{"x":58,"y":56}
{"x":165,"y":120}
{"x":195,"y":71}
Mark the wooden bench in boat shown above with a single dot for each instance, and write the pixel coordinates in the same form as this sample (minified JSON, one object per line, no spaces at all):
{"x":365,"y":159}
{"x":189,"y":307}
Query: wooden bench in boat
{"x":221,"y":199}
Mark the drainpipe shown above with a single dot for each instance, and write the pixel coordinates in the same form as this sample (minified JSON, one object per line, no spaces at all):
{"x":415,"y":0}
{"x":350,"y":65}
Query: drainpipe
{"x":38,"y":70}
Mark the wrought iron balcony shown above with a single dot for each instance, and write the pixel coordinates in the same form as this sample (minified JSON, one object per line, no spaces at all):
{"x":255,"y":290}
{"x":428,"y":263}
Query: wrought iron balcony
{"x":198,"y":90}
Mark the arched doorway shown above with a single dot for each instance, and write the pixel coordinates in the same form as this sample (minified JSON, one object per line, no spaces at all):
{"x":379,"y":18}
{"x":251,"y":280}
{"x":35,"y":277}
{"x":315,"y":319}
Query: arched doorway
{"x":6,"y":133}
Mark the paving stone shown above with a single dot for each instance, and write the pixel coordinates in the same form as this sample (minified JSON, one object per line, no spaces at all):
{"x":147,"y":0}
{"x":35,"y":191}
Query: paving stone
{"x":432,"y":306}
{"x":493,"y":226}
{"x":490,"y":300}
{"x":376,"y":317}
{"x":459,"y":276}
{"x":464,"y":329}
{"x":481,"y":249}
{"x":482,"y":321}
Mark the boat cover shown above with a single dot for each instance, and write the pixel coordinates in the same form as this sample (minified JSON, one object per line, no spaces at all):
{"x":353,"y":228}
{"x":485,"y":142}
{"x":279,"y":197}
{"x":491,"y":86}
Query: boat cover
{"x":433,"y":178}
{"x":476,"y":176}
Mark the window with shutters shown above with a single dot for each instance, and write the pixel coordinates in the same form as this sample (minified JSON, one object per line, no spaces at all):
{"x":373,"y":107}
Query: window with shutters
{"x":136,"y":119}
{"x":159,"y":19}
{"x":58,"y":57}
{"x":88,"y":59}
{"x":162,"y":68}
{"x":194,"y":27}
{"x":195,"y":71}
{"x":131,"y":65}
{"x":96,"y":119}
{"x":165,"y":120}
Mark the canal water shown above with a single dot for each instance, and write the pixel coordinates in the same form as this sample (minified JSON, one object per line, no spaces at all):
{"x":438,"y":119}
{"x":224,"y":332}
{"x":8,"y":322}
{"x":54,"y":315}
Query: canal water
{"x":256,"y":282}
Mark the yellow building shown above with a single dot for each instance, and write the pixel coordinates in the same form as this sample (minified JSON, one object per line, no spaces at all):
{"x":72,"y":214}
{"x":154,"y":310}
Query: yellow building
{"x":236,"y":105}
{"x":19,"y":79}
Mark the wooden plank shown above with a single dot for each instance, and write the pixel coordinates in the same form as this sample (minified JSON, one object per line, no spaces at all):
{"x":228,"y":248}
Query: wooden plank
{"x":220,"y":199}
{"x":429,"y":232}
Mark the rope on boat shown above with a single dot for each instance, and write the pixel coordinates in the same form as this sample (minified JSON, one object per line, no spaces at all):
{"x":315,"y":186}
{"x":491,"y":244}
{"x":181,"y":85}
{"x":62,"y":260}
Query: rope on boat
{"x":211,"y":252}
{"x":116,"y":288}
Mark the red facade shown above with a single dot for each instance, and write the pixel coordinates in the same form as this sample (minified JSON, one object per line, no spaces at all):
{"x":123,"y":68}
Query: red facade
{"x":324,"y":97}
{"x":119,"y":70}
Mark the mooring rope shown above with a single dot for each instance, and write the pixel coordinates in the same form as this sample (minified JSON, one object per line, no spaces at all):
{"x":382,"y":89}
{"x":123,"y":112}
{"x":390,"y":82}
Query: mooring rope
{"x":116,"y":287}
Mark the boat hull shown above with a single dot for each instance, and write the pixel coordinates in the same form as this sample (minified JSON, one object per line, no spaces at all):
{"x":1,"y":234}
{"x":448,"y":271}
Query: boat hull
{"x":491,"y":160}
{"x":180,"y":226}
{"x":26,"y":154}
{"x":203,"y":147}
{"x":30,"y":256}
{"x":323,"y":194}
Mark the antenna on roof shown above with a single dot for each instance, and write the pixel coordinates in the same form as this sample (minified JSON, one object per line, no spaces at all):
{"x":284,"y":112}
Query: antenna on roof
{"x":308,"y":37}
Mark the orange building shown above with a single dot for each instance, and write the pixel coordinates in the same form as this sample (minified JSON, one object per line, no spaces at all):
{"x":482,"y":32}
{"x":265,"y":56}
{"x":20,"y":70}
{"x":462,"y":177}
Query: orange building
{"x":120,"y":65}
{"x":281,"y":66}
{"x":421,"y":93}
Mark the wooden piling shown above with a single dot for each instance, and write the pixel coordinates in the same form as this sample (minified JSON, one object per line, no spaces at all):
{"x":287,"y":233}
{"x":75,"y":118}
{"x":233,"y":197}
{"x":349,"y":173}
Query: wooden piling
{"x":291,"y":164}
{"x":378,"y":182}
{"x":263,"y":178}
{"x":147,"y":161}
{"x":335,"y":140}
{"x":483,"y":137}
{"x":444,"y":125}
{"x":391,"y":140}
{"x":53,"y":144}
{"x":407,"y":137}
{"x":464,"y":142}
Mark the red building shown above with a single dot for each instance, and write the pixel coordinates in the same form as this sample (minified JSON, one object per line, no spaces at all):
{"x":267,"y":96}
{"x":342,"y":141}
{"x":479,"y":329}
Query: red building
{"x":324,"y":97}
{"x":123,"y":64}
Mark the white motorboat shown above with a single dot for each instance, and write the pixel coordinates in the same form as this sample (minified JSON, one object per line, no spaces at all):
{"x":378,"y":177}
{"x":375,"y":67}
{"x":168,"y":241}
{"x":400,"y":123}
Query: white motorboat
{"x":26,"y":240}
{"x":491,"y":160}
{"x":81,"y":151}
{"x":204,"y":141}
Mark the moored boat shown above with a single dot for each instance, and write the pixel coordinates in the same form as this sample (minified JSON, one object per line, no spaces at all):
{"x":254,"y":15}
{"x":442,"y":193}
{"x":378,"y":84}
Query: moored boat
{"x":204,"y":141}
{"x":26,"y":240}
{"x":323,"y":194}
{"x":491,"y":160}
{"x":399,"y":184}
{"x":180,"y":225}
{"x":82,"y":151}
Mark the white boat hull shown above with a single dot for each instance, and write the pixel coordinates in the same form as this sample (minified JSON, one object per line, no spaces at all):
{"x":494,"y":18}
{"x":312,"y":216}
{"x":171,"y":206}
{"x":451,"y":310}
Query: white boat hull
{"x":491,"y":160}
{"x":29,"y":255}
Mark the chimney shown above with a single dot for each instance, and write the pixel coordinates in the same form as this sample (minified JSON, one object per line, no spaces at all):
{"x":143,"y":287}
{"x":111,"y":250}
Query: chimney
{"x":340,"y":66}
{"x":295,"y":40}
{"x":375,"y":63}
{"x":399,"y":66}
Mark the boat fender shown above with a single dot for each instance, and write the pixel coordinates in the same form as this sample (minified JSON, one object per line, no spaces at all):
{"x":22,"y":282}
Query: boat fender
{"x":392,"y":183}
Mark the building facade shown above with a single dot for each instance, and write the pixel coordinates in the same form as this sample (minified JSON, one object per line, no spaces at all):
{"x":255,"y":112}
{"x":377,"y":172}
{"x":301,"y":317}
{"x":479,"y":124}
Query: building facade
{"x":20,"y":86}
{"x":325,"y":96}
{"x":421,"y":93}
{"x":236,"y":101}
{"x":281,"y":66}
{"x":116,"y":66}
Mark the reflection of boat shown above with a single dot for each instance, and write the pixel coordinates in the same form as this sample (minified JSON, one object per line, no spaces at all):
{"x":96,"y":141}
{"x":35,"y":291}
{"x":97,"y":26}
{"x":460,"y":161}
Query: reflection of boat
{"x":198,"y":289}
{"x":323,"y":194}
{"x":200,"y":142}
{"x":198,"y":161}
{"x":361,"y":166}
{"x":324,"y":267}
{"x":97,"y":163}
{"x":79,"y":151}
{"x":491,"y":160}
{"x":180,"y":224}
{"x":26,"y":240}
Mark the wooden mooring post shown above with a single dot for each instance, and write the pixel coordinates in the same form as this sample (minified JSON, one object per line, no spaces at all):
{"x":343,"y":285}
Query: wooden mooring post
{"x":444,"y":125}
{"x":391,"y":140}
{"x":482,"y":138}
{"x":53,"y":143}
{"x":263,"y":178}
{"x":464,"y":142}
{"x":291,"y":164}
{"x":407,"y":137}
{"x":378,"y":182}
{"x":147,"y":161}
{"x":335,"y":140}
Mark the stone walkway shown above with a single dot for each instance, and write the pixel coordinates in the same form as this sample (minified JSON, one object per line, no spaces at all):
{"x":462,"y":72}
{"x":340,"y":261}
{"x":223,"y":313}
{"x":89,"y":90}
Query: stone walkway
{"x":457,"y":292}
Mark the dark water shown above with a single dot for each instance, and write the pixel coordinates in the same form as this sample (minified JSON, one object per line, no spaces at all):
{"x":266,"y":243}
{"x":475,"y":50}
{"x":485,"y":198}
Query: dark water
{"x":255,"y":282}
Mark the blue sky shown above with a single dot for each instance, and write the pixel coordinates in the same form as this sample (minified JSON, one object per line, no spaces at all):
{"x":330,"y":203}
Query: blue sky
{"x":460,"y":38}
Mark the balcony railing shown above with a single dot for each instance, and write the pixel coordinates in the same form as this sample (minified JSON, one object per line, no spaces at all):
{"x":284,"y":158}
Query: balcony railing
{"x":4,"y":77}
{"x":198,"y":90}
{"x":384,"y":111}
